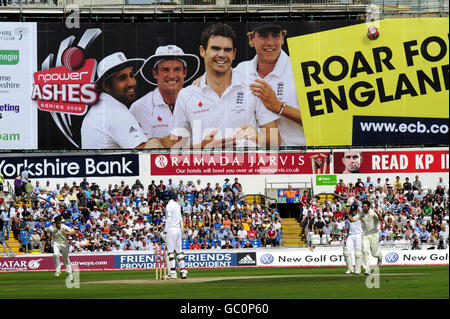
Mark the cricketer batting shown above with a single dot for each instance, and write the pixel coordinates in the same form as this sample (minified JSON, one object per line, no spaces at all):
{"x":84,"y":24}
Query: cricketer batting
{"x":173,"y":233}
{"x":370,"y":221}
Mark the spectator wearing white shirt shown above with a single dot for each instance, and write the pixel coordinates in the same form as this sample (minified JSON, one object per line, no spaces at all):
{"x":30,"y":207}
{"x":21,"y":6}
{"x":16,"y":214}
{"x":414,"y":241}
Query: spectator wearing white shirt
{"x":242,"y":233}
{"x":441,"y":183}
{"x":444,"y":233}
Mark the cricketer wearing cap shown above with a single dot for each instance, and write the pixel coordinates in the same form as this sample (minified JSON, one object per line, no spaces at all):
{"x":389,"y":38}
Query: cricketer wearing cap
{"x":370,"y":221}
{"x":353,"y":245}
{"x":173,"y":229}
{"x":168,"y":69}
{"x":109,"y":124}
{"x":272,"y":79}
{"x":59,"y":233}
{"x":222,"y":111}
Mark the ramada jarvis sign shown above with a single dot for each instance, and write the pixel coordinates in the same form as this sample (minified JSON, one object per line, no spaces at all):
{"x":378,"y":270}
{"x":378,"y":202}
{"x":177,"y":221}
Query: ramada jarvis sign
{"x":63,"y":90}
{"x":240,"y":163}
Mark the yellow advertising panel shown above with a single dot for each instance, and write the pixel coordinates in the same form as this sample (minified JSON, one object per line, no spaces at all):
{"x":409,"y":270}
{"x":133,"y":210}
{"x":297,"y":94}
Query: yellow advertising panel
{"x":391,"y":89}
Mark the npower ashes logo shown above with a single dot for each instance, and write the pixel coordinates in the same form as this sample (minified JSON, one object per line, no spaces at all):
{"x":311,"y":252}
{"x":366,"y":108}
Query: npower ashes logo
{"x":68,"y":88}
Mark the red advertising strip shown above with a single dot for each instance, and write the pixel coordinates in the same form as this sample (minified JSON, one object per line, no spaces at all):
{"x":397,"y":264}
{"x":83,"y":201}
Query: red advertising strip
{"x":46,"y":263}
{"x":240,"y":163}
{"x":391,"y":162}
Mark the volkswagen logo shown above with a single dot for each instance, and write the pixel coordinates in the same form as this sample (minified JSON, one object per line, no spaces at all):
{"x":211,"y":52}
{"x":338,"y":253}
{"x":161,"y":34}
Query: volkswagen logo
{"x":391,"y":258}
{"x":266,"y":259}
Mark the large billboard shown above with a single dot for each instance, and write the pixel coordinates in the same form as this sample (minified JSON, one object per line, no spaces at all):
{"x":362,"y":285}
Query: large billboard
{"x":325,"y":84}
{"x":386,"y":89}
{"x":18,"y":57}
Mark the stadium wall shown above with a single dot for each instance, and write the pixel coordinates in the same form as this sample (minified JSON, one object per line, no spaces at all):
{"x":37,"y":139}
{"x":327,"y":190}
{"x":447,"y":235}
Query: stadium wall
{"x":111,"y":168}
{"x":283,"y":257}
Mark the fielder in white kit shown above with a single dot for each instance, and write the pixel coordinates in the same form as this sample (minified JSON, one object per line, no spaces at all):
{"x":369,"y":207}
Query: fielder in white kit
{"x":172,"y":233}
{"x":353,"y":245}
{"x":60,"y":233}
{"x":370,"y":221}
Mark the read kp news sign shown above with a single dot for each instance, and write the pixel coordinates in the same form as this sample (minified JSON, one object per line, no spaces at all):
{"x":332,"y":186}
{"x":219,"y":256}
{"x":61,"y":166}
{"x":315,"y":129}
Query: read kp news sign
{"x":358,"y":91}
{"x":395,"y":161}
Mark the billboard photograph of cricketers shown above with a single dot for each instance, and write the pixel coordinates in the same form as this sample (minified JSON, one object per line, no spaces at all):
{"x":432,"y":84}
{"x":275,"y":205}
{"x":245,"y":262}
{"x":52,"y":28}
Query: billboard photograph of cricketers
{"x":223,"y":158}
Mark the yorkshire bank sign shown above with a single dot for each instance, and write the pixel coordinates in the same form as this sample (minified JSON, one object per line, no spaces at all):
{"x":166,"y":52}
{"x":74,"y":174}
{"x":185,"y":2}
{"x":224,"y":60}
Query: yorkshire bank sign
{"x":240,"y":163}
{"x":71,"y":166}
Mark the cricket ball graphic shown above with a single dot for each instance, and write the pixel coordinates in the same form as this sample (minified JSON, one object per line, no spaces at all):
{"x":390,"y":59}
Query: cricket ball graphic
{"x":373,"y":33}
{"x":73,"y":58}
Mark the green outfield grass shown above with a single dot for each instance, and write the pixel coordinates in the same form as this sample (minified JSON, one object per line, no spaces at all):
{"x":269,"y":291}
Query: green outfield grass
{"x":255,"y":283}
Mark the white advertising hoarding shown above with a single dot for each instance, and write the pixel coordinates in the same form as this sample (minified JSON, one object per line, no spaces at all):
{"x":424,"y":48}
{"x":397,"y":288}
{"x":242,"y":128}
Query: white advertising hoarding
{"x":18,"y":60}
{"x":334,"y":257}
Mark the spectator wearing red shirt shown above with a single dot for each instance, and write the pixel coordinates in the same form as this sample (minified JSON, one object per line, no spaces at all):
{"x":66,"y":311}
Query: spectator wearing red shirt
{"x":341,"y":188}
{"x":251,"y":234}
{"x":271,"y":236}
{"x":359,"y":186}
{"x":338,"y":213}
{"x":194,"y":245}
{"x":305,"y":199}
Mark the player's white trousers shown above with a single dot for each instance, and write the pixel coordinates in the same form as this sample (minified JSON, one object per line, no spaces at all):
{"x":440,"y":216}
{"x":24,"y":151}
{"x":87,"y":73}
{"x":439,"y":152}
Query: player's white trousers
{"x":370,"y":247}
{"x":173,"y":244}
{"x":64,"y":251}
{"x":353,"y":246}
{"x":354,"y":242}
{"x":173,"y":240}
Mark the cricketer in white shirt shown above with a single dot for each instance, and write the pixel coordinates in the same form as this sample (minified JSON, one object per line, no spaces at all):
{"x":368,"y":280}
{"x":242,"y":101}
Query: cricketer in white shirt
{"x":353,"y":245}
{"x":281,"y":79}
{"x":200,"y":110}
{"x":60,"y":246}
{"x":370,"y":222}
{"x":153,"y":114}
{"x":173,"y":228}
{"x":110,"y":125}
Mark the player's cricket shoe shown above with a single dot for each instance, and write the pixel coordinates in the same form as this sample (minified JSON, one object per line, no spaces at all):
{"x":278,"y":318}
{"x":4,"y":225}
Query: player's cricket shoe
{"x":57,"y":274}
{"x":367,"y":272}
{"x":183,"y":274}
{"x":349,"y":271}
{"x":379,"y":261}
{"x":173,"y":275}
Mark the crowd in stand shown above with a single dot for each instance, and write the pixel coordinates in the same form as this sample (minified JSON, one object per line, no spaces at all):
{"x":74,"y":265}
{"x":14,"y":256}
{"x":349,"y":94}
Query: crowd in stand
{"x":123,"y":217}
{"x":413,"y":214}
